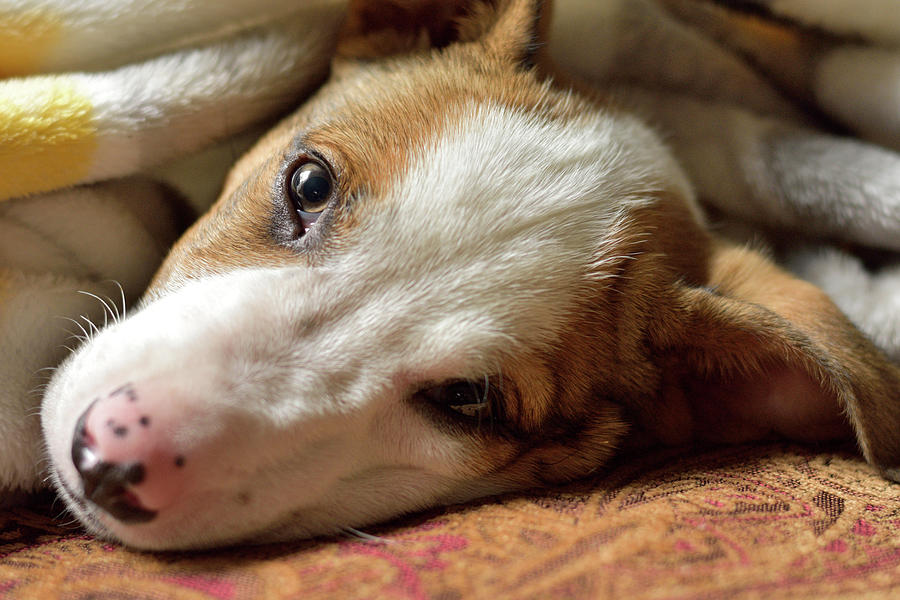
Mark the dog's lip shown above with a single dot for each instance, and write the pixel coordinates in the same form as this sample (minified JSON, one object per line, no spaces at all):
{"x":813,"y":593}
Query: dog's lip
{"x":127,"y":508}
{"x":85,"y":513}
{"x":128,"y":511}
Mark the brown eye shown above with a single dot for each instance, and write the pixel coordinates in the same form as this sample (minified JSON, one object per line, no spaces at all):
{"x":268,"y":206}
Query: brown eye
{"x":310,"y":188}
{"x":467,"y":399}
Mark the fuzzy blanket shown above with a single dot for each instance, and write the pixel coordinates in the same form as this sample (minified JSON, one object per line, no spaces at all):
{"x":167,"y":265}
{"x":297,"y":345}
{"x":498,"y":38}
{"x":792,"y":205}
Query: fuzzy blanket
{"x":783,"y":112}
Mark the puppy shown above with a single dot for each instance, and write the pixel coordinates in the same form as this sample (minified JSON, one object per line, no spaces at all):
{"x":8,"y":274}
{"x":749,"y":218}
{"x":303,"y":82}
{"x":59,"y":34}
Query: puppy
{"x":444,"y":277}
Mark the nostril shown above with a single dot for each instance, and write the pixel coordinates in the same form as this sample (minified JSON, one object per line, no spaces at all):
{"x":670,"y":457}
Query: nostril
{"x":106,"y":483}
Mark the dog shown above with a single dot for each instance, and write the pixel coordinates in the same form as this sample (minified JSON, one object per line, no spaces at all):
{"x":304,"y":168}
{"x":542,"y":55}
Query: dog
{"x":451,"y":273}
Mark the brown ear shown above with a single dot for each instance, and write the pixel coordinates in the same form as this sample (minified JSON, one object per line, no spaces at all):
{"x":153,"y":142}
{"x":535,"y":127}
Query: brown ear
{"x":376,"y":28}
{"x":759,"y":350}
{"x":512,"y":30}
{"x":508,"y":28}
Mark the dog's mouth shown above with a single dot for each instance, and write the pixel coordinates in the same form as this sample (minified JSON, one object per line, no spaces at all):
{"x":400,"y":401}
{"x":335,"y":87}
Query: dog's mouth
{"x":78,"y":506}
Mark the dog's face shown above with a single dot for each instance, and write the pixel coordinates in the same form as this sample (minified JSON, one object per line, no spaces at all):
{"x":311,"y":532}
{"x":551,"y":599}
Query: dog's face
{"x":438,"y":280}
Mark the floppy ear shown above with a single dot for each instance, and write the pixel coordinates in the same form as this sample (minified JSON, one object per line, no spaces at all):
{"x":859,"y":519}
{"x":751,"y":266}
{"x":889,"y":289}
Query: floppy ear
{"x":510,"y":29}
{"x":759,"y":348}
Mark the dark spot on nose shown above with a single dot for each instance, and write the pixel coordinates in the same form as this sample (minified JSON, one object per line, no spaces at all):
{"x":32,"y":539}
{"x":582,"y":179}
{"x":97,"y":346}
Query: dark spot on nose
{"x":179,"y":461}
{"x":120,"y":431}
{"x":127,"y":390}
{"x":243,"y":498}
{"x":145,"y":421}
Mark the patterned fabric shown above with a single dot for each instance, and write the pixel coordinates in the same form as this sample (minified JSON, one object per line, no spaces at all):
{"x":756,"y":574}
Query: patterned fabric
{"x":742,"y":522}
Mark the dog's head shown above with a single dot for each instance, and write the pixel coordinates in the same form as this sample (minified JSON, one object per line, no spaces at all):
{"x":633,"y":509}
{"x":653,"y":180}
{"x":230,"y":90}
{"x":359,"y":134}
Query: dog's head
{"x":442,"y":278}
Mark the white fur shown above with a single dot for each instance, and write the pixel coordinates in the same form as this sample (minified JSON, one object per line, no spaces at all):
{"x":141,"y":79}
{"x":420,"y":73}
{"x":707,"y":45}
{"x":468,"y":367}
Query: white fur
{"x":296,"y":378}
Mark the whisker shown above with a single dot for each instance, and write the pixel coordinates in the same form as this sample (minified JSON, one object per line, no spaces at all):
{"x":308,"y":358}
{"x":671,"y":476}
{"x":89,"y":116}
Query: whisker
{"x":122,"y":296}
{"x":99,"y":299}
{"x":70,"y":524}
{"x":87,"y":336}
{"x":116,"y":317}
{"x":366,"y":537}
{"x":91,"y":324}
{"x":35,"y":396}
{"x":112,"y":315}
{"x":74,"y":336}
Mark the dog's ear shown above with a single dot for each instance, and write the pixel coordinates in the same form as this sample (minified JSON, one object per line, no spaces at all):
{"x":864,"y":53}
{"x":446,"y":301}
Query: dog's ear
{"x":510,"y":29}
{"x":377,"y":28}
{"x":760,"y":343}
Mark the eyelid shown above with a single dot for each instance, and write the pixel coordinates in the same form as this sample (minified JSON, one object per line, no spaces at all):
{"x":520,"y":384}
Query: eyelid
{"x":307,"y":220}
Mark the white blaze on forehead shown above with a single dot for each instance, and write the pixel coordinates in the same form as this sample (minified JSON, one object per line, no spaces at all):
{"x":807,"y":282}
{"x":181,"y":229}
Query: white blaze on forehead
{"x":494,"y":224}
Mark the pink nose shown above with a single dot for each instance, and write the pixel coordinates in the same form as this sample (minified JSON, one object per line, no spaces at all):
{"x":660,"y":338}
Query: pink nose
{"x":123,"y":451}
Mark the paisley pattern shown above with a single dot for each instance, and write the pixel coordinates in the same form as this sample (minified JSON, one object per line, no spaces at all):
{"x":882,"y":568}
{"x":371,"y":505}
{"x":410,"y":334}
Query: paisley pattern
{"x":737,"y":522}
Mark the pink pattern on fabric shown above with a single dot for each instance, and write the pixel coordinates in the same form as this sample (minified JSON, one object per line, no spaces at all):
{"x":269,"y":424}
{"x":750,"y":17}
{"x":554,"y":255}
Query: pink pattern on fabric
{"x":7,"y":586}
{"x":807,"y":509}
{"x":410,"y":583}
{"x":217,"y":588}
{"x":706,"y":526}
{"x":864,"y":528}
{"x":836,"y":546}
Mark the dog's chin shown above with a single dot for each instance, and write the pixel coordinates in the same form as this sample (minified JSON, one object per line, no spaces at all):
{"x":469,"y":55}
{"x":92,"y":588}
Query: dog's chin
{"x":353,"y":503}
{"x":181,"y":534}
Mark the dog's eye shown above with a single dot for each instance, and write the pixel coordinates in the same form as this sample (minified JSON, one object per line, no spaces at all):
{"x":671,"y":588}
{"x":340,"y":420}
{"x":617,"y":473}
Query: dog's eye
{"x":470,"y":399}
{"x":310,"y":189}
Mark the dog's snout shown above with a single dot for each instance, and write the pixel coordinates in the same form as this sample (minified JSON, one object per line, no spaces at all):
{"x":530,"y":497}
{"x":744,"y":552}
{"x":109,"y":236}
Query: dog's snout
{"x":123,"y":452}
